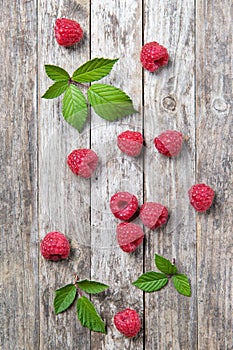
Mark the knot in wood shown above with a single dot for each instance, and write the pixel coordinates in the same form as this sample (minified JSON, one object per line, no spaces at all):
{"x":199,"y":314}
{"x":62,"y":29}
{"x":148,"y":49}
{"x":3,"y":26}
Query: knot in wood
{"x":169,"y":103}
{"x":219,"y":105}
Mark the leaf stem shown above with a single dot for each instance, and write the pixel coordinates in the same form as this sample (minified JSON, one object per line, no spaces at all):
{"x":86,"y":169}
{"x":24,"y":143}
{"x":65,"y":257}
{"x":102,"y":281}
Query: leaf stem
{"x":70,"y":81}
{"x":79,"y":291}
{"x":76,"y":279}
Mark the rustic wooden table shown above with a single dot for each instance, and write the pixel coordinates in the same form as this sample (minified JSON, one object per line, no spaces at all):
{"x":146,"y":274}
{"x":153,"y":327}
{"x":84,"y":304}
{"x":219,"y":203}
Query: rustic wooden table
{"x":39,"y":193}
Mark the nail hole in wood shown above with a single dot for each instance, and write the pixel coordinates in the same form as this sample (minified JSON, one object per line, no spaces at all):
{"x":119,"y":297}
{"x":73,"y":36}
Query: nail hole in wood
{"x":169,"y":103}
{"x":219,"y":105}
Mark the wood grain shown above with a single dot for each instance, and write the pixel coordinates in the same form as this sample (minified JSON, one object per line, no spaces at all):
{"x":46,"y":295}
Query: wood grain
{"x":117,"y":172}
{"x":63,"y":197}
{"x":214,"y":160}
{"x":39,"y":193}
{"x":170,"y":319}
{"x":19,"y":234}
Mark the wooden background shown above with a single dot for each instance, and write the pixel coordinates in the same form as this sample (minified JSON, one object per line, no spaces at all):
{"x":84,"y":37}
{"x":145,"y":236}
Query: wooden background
{"x":39,"y":193}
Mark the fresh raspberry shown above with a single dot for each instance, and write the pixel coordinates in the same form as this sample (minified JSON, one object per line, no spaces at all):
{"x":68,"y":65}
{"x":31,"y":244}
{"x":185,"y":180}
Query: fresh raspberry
{"x":153,"y":215}
{"x":201,"y":197}
{"x":153,"y":56}
{"x":123,"y":205}
{"x":128,"y":322}
{"x":55,"y":246}
{"x":67,"y":32}
{"x":129,"y":236}
{"x":169,"y":143}
{"x":130,"y":142}
{"x":82,"y":162}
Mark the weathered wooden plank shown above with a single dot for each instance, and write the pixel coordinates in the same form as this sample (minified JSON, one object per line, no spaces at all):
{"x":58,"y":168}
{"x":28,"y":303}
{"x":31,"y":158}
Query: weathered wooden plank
{"x":18,"y":160}
{"x":63,"y":197}
{"x":116,"y":32}
{"x":27,"y":317}
{"x":171,"y":319}
{"x":214,"y":159}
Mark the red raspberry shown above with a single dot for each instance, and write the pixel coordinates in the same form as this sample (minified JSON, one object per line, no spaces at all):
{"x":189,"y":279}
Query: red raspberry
{"x":128,"y":322}
{"x":153,"y":56}
{"x":169,"y":143}
{"x":55,"y":246}
{"x":129,"y":236}
{"x":201,"y":197}
{"x":130,"y":142}
{"x":82,"y":162}
{"x":153,"y":215}
{"x":123,"y":205}
{"x":67,"y":32}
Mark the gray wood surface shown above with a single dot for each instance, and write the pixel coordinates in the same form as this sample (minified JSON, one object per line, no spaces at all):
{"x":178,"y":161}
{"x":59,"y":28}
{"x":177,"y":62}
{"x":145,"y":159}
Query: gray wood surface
{"x":116,"y":173}
{"x":20,"y":302}
{"x":39,"y":194}
{"x":62,"y":205}
{"x":214,"y":130}
{"x":169,"y":103}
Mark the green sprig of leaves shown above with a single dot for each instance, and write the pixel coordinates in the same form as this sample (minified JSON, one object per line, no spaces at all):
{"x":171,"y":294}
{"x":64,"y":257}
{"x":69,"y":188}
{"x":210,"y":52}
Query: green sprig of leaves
{"x":108,"y":102}
{"x":86,"y":312}
{"x":153,"y":281}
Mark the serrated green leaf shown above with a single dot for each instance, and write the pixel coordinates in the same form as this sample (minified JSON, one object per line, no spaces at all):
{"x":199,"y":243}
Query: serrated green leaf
{"x":64,"y":297}
{"x":92,"y":287}
{"x":88,"y":316}
{"x":109,"y":102}
{"x":165,"y":265}
{"x":56,"y":89}
{"x":182,"y":285}
{"x":56,"y":73}
{"x":151,"y":281}
{"x":74,"y":107}
{"x":93,"y":70}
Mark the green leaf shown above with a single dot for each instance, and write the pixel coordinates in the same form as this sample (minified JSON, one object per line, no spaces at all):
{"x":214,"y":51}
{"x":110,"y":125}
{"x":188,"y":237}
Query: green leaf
{"x":93,"y":70}
{"x":64,"y":297}
{"x":110,"y":102}
{"x":88,"y":316}
{"x":182,"y":285}
{"x":165,"y":265}
{"x":151,"y":281}
{"x":56,"y":73}
{"x":92,"y":287}
{"x":56,"y":89}
{"x":74,"y":108}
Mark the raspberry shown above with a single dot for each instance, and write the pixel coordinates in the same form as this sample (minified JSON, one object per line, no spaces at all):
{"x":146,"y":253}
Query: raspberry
{"x":123,"y":205}
{"x":153,"y":215}
{"x":67,"y":32}
{"x":82,"y":162}
{"x":55,"y":246}
{"x":128,"y":322}
{"x":169,"y":143}
{"x":130,"y":142}
{"x":201,"y":197}
{"x":153,"y":56}
{"x":129,"y":236}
